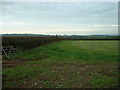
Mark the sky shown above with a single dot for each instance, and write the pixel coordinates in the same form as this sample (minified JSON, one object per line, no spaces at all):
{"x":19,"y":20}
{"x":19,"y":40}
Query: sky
{"x":78,"y":18}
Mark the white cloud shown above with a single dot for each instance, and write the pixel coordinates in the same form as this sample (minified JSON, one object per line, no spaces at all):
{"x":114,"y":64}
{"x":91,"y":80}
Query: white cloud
{"x":14,"y":23}
{"x":62,"y":30}
{"x":72,"y":30}
{"x":59,"y":0}
{"x":100,"y":25}
{"x":115,"y":25}
{"x":45,"y":30}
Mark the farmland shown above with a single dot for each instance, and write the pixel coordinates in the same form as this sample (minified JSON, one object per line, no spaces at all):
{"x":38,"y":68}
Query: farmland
{"x":64,"y":64}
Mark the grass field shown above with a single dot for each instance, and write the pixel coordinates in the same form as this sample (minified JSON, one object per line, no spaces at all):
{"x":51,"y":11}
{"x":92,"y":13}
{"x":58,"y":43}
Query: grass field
{"x":64,"y":64}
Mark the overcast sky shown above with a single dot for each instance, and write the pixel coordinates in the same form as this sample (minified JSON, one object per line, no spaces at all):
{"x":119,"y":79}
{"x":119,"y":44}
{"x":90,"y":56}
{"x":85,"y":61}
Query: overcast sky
{"x":60,"y":17}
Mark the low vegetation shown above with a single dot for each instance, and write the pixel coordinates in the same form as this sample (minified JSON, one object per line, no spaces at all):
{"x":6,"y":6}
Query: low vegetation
{"x":64,"y":64}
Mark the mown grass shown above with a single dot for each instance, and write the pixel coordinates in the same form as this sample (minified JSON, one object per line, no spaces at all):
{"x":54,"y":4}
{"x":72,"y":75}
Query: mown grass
{"x":66,"y":64}
{"x":75,"y":50}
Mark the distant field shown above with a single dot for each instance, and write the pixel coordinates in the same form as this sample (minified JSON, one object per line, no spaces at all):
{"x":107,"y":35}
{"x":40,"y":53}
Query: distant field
{"x":64,"y":64}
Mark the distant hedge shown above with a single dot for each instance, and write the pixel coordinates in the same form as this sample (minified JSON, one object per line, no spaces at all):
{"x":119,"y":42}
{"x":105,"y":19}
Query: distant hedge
{"x":28,"y":42}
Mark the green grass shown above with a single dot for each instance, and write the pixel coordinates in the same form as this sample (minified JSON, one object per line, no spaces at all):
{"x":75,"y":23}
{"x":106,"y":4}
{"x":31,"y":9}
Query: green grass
{"x":66,"y":64}
{"x":100,"y":81}
{"x":19,"y":74}
{"x":75,"y":50}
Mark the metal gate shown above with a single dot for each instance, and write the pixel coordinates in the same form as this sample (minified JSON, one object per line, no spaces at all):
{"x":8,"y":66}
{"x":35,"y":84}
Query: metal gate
{"x":9,"y":51}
